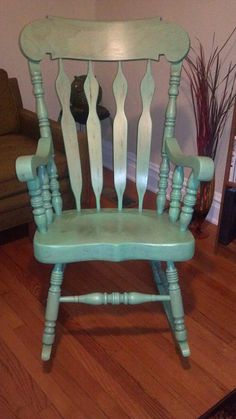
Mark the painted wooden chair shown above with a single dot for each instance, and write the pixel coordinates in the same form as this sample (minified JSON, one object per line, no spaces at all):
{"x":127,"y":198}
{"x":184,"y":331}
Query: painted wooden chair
{"x":160,"y":235}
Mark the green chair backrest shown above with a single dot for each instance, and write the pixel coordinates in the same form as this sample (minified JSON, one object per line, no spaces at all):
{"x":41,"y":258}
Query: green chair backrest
{"x":148,"y":39}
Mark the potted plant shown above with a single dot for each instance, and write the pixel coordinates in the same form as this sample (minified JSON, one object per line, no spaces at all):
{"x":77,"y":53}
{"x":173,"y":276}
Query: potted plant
{"x":212,"y":87}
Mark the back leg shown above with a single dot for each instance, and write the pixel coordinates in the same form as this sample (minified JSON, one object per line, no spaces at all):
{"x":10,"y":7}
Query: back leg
{"x":177,"y":308}
{"x":52,"y":308}
{"x":167,"y":283}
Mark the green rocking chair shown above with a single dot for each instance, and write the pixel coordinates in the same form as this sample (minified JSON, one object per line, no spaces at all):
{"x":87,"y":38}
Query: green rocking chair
{"x":160,"y":236}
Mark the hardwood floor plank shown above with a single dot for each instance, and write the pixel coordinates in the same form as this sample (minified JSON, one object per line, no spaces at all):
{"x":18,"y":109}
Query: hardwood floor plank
{"x":50,"y":413}
{"x":116,"y":362}
{"x":62,"y":373}
{"x":18,"y":385}
{"x":5,"y":407}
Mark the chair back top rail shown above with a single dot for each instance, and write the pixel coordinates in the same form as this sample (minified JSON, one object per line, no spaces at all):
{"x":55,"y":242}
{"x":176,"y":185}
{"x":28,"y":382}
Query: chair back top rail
{"x":104,"y":41}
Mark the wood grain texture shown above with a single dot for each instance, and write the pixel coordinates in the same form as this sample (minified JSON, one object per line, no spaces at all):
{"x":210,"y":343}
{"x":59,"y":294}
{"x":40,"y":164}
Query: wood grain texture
{"x":120,"y":131}
{"x":144,"y":135}
{"x":122,"y":360}
{"x":69,"y":135}
{"x":90,"y":40}
{"x":94,"y":134}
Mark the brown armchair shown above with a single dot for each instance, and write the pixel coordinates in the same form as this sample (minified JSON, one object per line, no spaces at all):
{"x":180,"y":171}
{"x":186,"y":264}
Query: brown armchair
{"x":19,"y":134}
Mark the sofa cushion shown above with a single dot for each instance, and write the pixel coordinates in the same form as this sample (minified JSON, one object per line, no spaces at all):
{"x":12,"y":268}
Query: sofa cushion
{"x":9,"y":117}
{"x":13,"y":146}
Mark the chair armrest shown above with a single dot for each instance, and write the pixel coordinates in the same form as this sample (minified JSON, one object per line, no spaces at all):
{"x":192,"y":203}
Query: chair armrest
{"x":26,"y":166}
{"x":203,"y":167}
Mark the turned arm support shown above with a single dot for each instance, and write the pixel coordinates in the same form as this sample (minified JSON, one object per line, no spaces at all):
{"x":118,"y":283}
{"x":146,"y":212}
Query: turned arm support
{"x":39,"y":171}
{"x":26,"y":166}
{"x":202,"y":167}
{"x":202,"y":170}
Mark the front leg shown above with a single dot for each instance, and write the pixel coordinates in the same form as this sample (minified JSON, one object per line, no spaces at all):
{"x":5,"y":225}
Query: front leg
{"x":52,"y":308}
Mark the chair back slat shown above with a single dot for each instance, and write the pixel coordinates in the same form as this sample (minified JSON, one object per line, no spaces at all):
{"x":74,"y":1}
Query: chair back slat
{"x":69,"y":134}
{"x":144,"y":135}
{"x":91,"y":88}
{"x":120,"y":135}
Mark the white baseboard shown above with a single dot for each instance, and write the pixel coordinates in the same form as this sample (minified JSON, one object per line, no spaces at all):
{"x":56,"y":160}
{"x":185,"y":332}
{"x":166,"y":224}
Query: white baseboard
{"x":213,"y":214}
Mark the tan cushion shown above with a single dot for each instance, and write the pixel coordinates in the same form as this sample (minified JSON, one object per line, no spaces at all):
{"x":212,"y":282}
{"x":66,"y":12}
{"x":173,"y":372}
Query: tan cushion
{"x":9,"y":117}
{"x":11,"y":147}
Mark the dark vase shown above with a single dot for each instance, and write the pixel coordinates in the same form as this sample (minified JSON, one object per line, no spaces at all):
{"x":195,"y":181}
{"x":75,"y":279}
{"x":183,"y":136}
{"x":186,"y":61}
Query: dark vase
{"x":204,"y":200}
{"x":78,"y":98}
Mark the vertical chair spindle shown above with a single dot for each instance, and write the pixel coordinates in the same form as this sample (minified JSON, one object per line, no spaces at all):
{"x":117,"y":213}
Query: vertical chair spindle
{"x":69,"y":131}
{"x":189,"y":202}
{"x":36,"y":200}
{"x":144,"y":135}
{"x":175,"y":197}
{"x":54,"y":186}
{"x":46,"y":194}
{"x":120,"y":135}
{"x":91,"y":89}
{"x":163,"y":183}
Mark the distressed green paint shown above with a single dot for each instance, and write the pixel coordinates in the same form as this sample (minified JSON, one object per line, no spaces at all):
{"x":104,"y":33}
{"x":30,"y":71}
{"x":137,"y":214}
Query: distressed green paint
{"x":115,"y":298}
{"x":94,"y":134}
{"x":112,"y":235}
{"x":160,"y":236}
{"x":46,"y":193}
{"x":175,"y":197}
{"x":144,"y":135}
{"x":37,"y":203}
{"x":189,"y":202}
{"x":120,"y":128}
{"x":52,"y":308}
{"x":167,"y":284}
{"x":163,"y":183}
{"x":69,"y":134}
{"x":54,"y":186}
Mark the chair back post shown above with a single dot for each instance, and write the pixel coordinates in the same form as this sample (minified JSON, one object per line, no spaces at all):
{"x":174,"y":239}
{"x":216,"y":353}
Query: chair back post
{"x":41,"y":109}
{"x":169,"y":131}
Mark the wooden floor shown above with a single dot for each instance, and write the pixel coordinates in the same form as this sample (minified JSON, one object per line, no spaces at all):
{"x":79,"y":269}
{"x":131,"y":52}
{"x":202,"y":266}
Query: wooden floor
{"x":116,"y":362}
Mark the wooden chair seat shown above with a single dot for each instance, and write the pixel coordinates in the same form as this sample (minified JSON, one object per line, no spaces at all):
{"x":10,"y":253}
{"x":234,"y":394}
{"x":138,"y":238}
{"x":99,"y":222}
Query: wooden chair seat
{"x":113,"y":235}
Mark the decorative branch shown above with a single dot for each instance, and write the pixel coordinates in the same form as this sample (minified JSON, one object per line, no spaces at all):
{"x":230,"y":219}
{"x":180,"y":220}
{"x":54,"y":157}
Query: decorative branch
{"x":212,"y":93}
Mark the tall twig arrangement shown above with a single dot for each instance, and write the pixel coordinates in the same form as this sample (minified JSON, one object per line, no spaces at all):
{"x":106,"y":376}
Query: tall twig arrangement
{"x":213,"y":94}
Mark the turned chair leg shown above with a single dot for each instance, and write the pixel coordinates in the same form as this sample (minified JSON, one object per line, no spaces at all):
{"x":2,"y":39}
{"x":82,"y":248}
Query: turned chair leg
{"x":52,"y":308}
{"x":177,"y":308}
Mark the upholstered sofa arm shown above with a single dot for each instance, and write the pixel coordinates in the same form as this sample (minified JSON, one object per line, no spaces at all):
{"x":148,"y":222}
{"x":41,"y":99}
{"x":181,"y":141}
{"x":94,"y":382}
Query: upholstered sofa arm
{"x":203,"y":167}
{"x":29,"y":124}
{"x":30,"y":127}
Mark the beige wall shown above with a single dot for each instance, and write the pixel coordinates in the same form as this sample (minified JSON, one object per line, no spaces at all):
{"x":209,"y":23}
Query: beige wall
{"x":14,"y":15}
{"x":199,"y":17}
